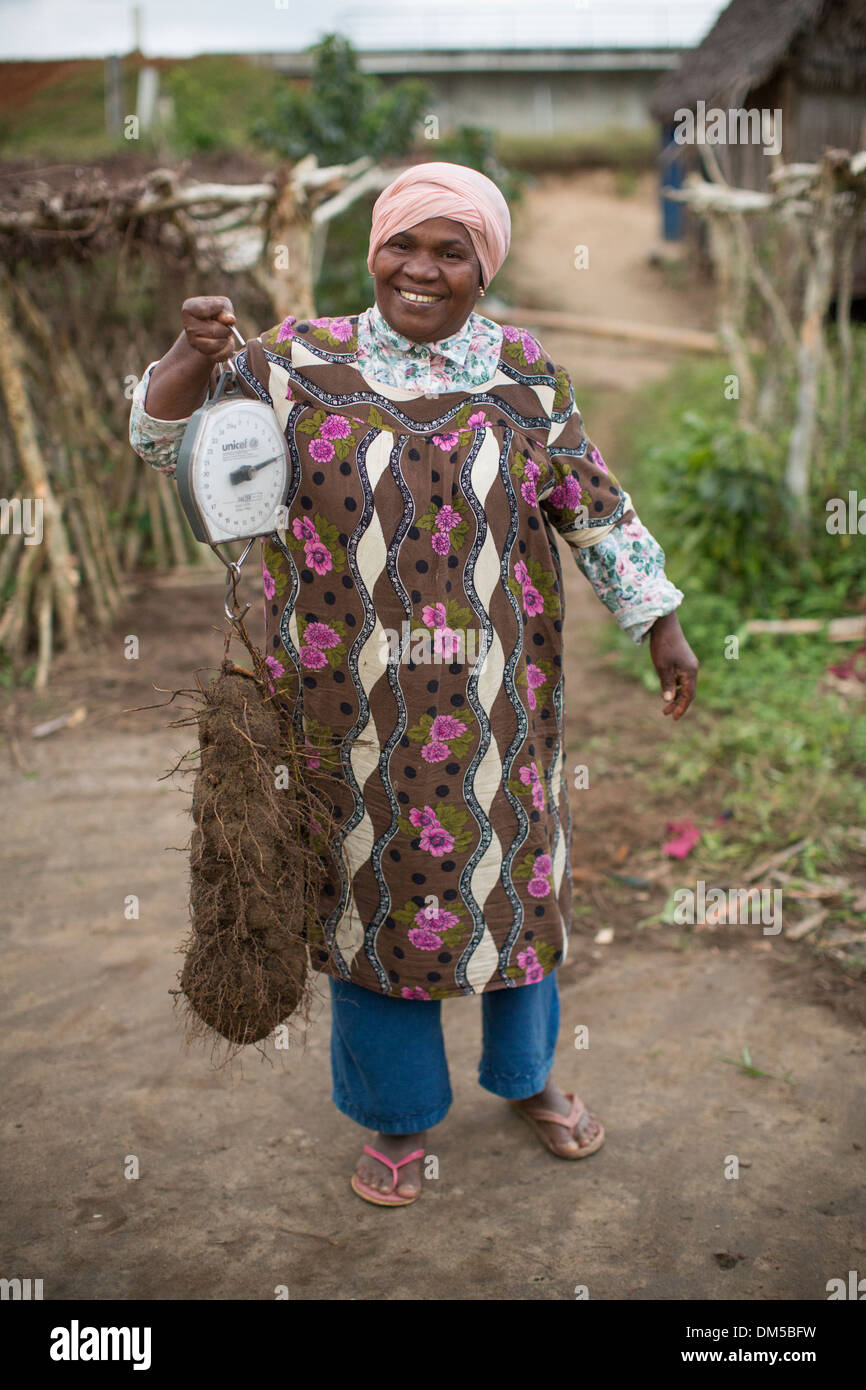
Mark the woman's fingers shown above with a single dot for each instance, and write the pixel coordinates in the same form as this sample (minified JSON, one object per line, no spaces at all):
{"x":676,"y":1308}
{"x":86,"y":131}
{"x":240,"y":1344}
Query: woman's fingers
{"x":668,"y":677}
{"x":207,"y":306}
{"x":206,"y":320}
{"x":679,"y":688}
{"x":217,"y":347}
{"x":676,"y":664}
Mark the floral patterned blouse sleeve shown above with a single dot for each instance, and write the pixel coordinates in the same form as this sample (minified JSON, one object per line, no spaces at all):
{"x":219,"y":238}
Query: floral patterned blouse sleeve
{"x":155,"y":441}
{"x":623,"y":562}
{"x":626,"y":568}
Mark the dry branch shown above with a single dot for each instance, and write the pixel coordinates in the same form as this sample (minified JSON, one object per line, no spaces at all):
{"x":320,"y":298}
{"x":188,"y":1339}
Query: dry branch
{"x":60,"y":560}
{"x":817,"y":212}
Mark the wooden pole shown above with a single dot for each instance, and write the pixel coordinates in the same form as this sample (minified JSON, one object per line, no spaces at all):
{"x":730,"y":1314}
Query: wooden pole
{"x":845,"y":290}
{"x":810,"y":353}
{"x":45,"y":629}
{"x":652,"y":334}
{"x":730,"y":310}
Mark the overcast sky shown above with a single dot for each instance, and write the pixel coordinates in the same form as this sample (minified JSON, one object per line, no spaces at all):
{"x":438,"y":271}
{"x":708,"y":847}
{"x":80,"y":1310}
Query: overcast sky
{"x":92,"y":28}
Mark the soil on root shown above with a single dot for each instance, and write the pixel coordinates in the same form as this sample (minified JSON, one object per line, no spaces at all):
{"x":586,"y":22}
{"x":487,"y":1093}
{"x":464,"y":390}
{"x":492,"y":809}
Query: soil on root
{"x":258,"y":855}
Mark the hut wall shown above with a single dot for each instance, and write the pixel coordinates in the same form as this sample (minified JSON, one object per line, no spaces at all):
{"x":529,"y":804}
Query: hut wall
{"x":825,"y":118}
{"x":746,"y":165}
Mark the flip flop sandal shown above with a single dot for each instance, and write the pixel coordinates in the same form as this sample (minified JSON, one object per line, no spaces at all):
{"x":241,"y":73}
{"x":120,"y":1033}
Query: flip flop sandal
{"x":386,"y":1199}
{"x":567,"y":1121}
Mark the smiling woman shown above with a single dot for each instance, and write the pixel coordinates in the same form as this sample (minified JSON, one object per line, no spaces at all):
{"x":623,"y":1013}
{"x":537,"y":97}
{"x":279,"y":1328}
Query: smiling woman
{"x":435,"y":455}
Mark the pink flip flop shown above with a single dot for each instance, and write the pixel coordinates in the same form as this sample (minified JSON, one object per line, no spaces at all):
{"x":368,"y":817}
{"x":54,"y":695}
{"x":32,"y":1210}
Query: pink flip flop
{"x":385,"y":1199}
{"x":567,"y":1121}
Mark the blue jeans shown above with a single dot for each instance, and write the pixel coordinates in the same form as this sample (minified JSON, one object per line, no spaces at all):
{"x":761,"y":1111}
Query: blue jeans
{"x":388,"y":1055}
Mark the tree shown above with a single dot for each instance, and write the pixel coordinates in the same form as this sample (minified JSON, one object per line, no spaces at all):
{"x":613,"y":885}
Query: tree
{"x":344,"y":113}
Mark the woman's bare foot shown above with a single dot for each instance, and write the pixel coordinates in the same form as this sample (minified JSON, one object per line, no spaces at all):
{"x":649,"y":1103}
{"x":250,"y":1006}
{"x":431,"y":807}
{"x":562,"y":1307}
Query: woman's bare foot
{"x":395,"y":1147}
{"x":585,"y":1131}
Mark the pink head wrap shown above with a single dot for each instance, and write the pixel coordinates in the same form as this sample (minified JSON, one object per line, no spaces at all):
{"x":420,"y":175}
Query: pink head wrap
{"x":445,"y":190}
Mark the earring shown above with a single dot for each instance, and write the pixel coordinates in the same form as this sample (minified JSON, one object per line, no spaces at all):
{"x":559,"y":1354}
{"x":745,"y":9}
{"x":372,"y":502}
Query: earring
{"x":481,"y":290}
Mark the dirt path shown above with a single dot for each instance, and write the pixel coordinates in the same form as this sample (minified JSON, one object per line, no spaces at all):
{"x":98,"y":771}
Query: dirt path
{"x":244,"y":1173}
{"x":618,"y":225}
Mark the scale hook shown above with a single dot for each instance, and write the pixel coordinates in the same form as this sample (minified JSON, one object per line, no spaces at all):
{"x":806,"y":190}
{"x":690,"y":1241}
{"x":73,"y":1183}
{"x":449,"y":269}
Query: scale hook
{"x":233,"y":568}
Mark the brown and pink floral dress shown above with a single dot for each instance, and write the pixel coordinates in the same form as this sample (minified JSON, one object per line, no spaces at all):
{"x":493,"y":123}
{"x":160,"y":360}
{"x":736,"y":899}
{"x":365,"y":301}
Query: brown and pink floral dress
{"x":414,"y":618}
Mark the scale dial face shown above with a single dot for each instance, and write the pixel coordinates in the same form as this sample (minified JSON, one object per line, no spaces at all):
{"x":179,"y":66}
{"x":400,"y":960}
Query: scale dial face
{"x":239,"y":470}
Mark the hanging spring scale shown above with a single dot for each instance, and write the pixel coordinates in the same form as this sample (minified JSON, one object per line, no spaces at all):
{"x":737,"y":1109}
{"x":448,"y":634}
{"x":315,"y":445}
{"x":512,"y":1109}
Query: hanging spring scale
{"x":233,"y":567}
{"x":232,"y":476}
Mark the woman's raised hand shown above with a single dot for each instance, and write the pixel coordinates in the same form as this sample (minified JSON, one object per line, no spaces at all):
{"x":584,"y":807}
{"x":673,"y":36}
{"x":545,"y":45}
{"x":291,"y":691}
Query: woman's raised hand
{"x":178,"y":382}
{"x":206,"y":322}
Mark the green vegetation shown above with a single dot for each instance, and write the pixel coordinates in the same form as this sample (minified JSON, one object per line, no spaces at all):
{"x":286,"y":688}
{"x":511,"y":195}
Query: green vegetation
{"x":784,"y":753}
{"x":345,"y":285}
{"x":344,"y":113}
{"x":746,"y":1068}
{"x":218,"y":101}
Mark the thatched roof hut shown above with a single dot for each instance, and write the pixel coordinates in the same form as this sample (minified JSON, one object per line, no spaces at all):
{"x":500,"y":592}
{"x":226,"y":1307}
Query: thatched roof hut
{"x":806,"y":58}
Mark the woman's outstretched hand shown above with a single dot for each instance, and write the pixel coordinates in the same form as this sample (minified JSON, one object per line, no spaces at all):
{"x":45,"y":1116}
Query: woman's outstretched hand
{"x":675,"y":662}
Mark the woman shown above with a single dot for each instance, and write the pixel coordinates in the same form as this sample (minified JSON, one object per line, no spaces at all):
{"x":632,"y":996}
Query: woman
{"x":415,"y":609}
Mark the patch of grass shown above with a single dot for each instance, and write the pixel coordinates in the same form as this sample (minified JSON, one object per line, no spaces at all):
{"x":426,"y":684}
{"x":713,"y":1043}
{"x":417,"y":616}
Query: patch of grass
{"x":625,"y":182}
{"x":746,"y":1068}
{"x":786,"y":759}
{"x":65,"y":118}
{"x":217,"y":99}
